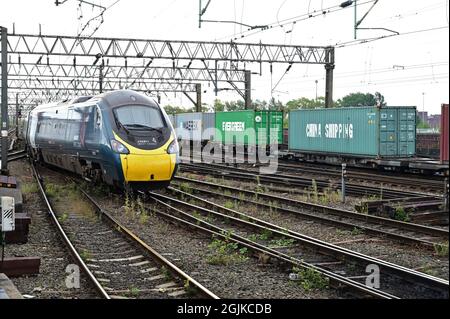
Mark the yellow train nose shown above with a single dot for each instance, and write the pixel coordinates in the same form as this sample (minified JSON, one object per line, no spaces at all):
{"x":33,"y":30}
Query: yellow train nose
{"x":142,"y":168}
{"x":147,"y":165}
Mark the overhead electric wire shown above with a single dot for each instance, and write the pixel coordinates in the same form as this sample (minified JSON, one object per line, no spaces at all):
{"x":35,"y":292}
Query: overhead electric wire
{"x":423,"y":78}
{"x":292,"y":20}
{"x":384,"y":82}
{"x":409,"y":13}
{"x":362,"y":41}
{"x":352,"y":74}
{"x":100,"y":15}
{"x":397,"y":81}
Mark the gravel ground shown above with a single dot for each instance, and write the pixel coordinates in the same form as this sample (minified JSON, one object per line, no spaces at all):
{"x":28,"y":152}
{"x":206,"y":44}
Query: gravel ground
{"x":332,"y":199}
{"x":121,"y":267}
{"x":406,"y":255}
{"x":336,"y":180}
{"x":249,"y":278}
{"x":44,"y":242}
{"x":246,"y":278}
{"x":359,"y":181}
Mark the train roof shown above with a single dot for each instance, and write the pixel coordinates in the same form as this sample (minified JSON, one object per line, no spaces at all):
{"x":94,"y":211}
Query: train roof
{"x":111,"y":99}
{"x":123,"y":97}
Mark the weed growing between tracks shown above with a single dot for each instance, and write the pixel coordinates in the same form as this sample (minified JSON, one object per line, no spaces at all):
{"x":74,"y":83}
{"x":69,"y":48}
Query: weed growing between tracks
{"x":428,"y":269}
{"x":330,"y":196}
{"x":54,"y":190}
{"x":186,"y":187}
{"x":265,"y":235}
{"x":190,"y":289}
{"x":28,"y":188}
{"x":85,"y":255}
{"x":166,"y":273}
{"x":66,"y":198}
{"x":63,"y":217}
{"x":401,"y":214}
{"x":357,"y":231}
{"x":135,"y":208}
{"x":441,"y":249}
{"x":225,"y":252}
{"x":282,"y":242}
{"x":311,"y":279}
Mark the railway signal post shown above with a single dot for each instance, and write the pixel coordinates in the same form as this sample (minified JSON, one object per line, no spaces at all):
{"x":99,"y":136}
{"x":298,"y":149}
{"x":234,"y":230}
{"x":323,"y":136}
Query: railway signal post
{"x":344,"y":173}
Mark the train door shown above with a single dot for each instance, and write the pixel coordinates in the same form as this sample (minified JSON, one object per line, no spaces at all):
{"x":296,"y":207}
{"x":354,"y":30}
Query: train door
{"x":93,"y":129}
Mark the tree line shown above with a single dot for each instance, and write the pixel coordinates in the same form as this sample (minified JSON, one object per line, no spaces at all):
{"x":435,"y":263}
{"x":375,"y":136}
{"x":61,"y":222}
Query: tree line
{"x":352,"y":99}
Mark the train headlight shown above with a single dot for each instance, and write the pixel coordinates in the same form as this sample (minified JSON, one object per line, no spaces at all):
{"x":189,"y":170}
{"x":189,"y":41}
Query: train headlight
{"x":119,"y":147}
{"x":173,"y":147}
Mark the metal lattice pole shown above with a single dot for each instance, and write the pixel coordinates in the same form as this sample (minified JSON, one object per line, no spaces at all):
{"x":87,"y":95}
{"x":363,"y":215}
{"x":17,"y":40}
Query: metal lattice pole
{"x":4,"y":106}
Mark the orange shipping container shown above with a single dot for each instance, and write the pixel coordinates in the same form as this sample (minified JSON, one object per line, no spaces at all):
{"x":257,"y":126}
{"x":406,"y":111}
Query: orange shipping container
{"x":444,"y":133}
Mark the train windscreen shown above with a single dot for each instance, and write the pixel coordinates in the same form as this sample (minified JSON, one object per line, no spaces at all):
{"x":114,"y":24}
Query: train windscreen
{"x":139,"y":117}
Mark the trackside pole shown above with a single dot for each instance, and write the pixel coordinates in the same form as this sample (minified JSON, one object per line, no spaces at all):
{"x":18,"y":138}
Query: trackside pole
{"x":344,"y":173}
{"x":4,"y":101}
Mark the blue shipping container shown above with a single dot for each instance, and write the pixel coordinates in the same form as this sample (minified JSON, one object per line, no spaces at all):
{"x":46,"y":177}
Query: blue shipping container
{"x":356,"y":131}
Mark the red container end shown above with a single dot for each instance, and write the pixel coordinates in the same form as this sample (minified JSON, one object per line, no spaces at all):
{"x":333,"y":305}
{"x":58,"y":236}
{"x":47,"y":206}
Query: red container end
{"x":444,"y":133}
{"x":285,"y":136}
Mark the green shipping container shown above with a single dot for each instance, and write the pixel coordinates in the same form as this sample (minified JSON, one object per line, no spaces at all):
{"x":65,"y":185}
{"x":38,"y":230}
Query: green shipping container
{"x":249,"y":127}
{"x":356,"y":131}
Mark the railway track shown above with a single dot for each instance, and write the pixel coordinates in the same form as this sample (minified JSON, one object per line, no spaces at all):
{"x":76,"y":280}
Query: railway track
{"x":432,"y":184}
{"x":116,"y":261}
{"x":344,"y":268}
{"x":221,"y":170}
{"x":379,"y":226}
{"x":435,"y":185}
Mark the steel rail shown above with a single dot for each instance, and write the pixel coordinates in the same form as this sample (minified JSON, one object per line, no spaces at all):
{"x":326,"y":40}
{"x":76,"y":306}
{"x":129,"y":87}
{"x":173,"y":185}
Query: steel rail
{"x":329,"y":221}
{"x":379,"y":178}
{"x":143,"y":245}
{"x":234,"y":172}
{"x":334,"y":211}
{"x":356,"y":170}
{"x":66,"y":239}
{"x":136,"y":240}
{"x":218,"y":232}
{"x":404,"y":273}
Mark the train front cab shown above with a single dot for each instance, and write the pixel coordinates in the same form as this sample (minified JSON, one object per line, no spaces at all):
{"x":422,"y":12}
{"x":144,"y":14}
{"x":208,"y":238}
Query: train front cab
{"x":148,"y":169}
{"x":145,"y":145}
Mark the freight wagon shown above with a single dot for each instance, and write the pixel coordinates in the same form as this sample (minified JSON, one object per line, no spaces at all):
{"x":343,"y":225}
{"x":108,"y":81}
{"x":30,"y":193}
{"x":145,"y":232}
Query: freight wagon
{"x":436,"y":166}
{"x":285,"y":138}
{"x":249,"y":128}
{"x":356,"y":135}
{"x":196,"y":127}
{"x":427,"y":144}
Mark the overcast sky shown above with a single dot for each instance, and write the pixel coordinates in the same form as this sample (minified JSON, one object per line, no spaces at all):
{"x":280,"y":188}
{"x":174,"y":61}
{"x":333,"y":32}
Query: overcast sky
{"x":409,"y":69}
